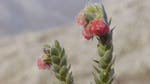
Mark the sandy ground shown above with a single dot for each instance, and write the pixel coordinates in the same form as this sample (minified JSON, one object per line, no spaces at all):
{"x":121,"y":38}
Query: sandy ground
{"x":18,"y":54}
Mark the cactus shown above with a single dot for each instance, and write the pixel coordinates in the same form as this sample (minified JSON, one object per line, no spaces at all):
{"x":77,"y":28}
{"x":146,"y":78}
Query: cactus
{"x":97,"y":25}
{"x":58,"y":60}
{"x":104,"y":70}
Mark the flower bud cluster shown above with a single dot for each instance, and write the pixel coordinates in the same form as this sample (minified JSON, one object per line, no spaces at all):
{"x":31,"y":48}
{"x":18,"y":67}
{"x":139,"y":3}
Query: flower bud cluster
{"x":44,"y":62}
{"x":93,"y":21}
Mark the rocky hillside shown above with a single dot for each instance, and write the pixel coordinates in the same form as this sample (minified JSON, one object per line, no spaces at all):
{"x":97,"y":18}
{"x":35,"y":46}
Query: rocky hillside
{"x":18,"y":54}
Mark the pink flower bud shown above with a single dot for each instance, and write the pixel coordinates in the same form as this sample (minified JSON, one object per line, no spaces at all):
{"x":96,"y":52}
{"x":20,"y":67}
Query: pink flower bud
{"x":81,"y":20}
{"x":98,"y":27}
{"x":41,"y":64}
{"x":87,"y":35}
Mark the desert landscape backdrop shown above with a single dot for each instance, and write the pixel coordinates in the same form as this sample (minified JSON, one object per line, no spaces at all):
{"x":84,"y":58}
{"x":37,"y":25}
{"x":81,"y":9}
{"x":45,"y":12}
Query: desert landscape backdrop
{"x":23,"y":34}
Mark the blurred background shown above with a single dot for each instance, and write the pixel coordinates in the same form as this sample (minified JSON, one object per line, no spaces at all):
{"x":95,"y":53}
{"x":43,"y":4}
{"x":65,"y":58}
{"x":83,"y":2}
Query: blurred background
{"x":26,"y":25}
{"x":31,"y":15}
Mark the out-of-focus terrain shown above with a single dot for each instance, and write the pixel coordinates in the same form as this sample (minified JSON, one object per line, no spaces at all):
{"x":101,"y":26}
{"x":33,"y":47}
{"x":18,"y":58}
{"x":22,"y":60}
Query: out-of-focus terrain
{"x":33,"y":15}
{"x":18,"y":54}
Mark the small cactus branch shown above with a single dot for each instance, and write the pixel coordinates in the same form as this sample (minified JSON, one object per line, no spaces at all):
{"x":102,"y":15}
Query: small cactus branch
{"x":104,"y":70}
{"x":93,"y":18}
{"x":58,"y":60}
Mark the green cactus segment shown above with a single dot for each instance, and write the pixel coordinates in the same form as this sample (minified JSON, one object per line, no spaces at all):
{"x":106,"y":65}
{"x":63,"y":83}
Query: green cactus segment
{"x":58,"y":59}
{"x":104,"y":69}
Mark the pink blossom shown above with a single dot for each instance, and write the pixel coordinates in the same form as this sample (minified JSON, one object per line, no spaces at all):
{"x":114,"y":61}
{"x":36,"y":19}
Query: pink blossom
{"x":87,"y":35}
{"x":81,"y":20}
{"x":42,"y":65}
{"x":99,"y":27}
